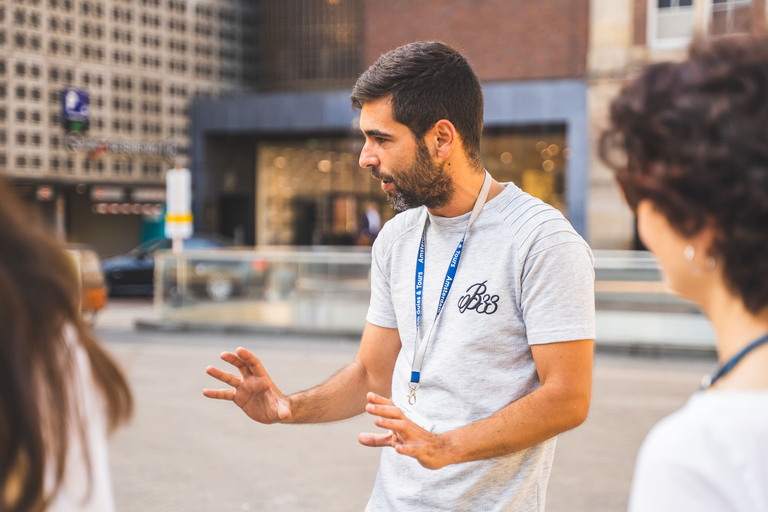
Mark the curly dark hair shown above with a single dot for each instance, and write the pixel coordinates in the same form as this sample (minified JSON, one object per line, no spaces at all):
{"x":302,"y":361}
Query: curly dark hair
{"x":428,"y":81}
{"x":695,"y":138}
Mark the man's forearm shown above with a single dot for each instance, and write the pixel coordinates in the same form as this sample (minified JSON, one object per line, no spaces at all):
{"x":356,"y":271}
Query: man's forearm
{"x":340,"y":397}
{"x":526,"y":422}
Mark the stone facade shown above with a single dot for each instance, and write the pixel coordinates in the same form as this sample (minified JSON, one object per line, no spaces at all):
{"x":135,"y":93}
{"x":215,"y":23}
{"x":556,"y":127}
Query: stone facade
{"x":620,"y":44}
{"x":141,"y":61}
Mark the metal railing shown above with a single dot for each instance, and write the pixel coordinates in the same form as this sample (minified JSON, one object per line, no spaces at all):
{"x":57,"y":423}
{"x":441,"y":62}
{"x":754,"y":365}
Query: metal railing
{"x":328,"y":290}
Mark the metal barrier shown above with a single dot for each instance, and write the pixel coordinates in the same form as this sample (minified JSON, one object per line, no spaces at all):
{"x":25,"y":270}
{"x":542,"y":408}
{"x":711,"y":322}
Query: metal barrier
{"x":328,"y":290}
{"x":283,"y":289}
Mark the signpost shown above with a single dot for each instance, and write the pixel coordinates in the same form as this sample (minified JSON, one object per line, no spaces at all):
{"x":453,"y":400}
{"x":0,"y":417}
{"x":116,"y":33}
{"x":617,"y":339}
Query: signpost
{"x":178,"y":217}
{"x":178,"y":221}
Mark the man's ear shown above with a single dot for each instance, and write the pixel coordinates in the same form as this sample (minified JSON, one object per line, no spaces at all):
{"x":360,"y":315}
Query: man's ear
{"x":442,"y":139}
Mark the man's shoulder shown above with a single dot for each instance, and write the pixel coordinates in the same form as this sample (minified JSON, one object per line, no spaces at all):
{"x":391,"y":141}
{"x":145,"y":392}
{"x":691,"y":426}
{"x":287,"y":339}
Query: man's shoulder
{"x":534,"y":224}
{"x":399,"y":225}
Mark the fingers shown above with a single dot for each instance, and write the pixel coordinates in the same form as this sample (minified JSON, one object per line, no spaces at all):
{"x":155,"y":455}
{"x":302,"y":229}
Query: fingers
{"x":252,"y":362}
{"x":397,"y":426}
{"x":225,"y":377}
{"x":375,"y":440}
{"x":235,"y":360}
{"x":375,"y":399}
{"x":385,"y":411}
{"x":220,"y":394}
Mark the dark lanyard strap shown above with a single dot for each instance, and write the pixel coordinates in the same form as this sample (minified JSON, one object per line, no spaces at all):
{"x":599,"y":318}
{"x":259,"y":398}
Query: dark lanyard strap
{"x":709,"y":380}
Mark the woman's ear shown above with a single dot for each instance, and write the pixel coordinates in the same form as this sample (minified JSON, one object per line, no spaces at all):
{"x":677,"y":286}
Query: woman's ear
{"x":704,"y":240}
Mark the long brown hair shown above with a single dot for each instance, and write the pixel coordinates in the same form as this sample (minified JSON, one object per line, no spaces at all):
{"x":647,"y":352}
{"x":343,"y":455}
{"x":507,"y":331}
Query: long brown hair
{"x":39,"y":299}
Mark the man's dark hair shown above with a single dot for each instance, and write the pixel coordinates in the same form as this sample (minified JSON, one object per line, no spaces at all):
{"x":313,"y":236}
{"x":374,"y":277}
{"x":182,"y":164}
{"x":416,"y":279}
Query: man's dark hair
{"x":695,"y":137}
{"x":428,"y":81}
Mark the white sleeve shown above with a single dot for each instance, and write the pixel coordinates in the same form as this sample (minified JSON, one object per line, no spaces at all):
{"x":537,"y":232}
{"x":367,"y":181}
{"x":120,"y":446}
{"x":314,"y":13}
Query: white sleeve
{"x":558,"y":293}
{"x":381,"y":311}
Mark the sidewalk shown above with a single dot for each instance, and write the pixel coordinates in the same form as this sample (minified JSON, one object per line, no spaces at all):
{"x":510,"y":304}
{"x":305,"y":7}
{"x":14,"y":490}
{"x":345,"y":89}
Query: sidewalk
{"x":125,"y":312}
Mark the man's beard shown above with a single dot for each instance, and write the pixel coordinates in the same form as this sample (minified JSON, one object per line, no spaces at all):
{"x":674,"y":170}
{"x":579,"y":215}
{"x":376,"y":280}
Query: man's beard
{"x":424,"y":184}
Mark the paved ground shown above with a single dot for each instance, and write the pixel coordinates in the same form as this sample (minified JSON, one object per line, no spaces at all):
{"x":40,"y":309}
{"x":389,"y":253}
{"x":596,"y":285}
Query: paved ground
{"x":183,"y":452}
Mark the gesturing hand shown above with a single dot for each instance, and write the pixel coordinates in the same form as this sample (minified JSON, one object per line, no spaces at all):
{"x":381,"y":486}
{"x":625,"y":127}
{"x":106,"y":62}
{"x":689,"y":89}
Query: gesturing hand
{"x":254,"y":393}
{"x":405,"y":436}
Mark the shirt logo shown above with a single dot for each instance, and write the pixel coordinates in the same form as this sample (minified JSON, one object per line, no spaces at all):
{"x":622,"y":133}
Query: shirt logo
{"x":476,"y":299}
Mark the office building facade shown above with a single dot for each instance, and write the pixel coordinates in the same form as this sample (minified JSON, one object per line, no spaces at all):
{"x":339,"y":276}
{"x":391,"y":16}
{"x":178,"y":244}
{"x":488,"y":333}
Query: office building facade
{"x":140,"y":63}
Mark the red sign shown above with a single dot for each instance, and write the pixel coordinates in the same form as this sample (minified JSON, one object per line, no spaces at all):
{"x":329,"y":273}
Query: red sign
{"x":44,"y":193}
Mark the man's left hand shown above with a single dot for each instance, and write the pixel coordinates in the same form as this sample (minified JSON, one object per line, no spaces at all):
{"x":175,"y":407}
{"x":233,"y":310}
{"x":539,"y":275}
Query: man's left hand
{"x":406,"y":437}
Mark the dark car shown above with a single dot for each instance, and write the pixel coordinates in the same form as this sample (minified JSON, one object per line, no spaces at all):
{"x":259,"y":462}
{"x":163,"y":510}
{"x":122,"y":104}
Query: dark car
{"x":133,"y":273}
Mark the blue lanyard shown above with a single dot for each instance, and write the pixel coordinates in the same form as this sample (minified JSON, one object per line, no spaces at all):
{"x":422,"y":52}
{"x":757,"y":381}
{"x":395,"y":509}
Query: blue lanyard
{"x":708,"y":380}
{"x":421,"y":345}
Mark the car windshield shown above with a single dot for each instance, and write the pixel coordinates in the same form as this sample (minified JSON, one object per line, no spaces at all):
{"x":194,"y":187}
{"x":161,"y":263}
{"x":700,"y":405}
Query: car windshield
{"x":151,"y":246}
{"x":201,"y":243}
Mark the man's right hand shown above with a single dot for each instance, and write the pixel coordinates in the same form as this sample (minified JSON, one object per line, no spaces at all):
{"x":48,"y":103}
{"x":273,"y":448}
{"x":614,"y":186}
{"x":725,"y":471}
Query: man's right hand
{"x":254,"y":393}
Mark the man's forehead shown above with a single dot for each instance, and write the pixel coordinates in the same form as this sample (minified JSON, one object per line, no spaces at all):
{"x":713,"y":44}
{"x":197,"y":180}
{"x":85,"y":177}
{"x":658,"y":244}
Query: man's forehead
{"x":377,"y":115}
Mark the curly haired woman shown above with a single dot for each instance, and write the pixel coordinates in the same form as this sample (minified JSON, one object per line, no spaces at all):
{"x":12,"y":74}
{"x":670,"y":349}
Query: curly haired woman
{"x":694,"y":137}
{"x":59,"y":391}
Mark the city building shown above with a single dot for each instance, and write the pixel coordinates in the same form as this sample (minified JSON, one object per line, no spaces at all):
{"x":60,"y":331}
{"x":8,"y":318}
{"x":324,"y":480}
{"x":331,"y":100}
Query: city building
{"x":280,"y":167}
{"x":140,"y":63}
{"x":626,"y":35}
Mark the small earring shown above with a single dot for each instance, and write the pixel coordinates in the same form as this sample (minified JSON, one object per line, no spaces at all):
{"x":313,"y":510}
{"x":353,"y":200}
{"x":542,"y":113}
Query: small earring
{"x":710,"y":264}
{"x":689,"y":254}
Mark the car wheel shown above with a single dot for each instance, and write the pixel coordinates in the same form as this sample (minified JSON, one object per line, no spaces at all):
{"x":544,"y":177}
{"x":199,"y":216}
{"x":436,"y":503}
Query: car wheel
{"x":220,"y":286}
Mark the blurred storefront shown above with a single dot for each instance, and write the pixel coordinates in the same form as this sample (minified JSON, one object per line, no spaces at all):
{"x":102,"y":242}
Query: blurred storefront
{"x":313,"y":191}
{"x":110,"y":218}
{"x":310,"y":190}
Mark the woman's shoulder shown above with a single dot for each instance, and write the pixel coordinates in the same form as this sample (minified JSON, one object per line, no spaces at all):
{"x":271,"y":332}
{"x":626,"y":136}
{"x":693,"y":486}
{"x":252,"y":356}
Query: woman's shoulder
{"x":727,"y":416}
{"x":696,"y":455}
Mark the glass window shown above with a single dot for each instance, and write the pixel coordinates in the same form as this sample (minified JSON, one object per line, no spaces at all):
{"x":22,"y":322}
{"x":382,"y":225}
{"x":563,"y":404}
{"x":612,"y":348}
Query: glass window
{"x":313,"y":192}
{"x":730,"y":16}
{"x":670,"y":23}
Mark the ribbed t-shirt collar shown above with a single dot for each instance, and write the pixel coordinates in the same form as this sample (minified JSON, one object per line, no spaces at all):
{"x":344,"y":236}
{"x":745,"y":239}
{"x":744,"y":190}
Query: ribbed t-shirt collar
{"x":460,"y":222}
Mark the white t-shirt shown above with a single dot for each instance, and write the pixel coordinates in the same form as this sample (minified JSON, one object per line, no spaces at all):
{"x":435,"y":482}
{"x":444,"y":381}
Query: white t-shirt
{"x":525,"y":277}
{"x":73,"y":493}
{"x":710,"y":456}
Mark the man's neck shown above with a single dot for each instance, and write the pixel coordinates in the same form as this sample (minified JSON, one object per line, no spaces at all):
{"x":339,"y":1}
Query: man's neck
{"x":467,"y":189}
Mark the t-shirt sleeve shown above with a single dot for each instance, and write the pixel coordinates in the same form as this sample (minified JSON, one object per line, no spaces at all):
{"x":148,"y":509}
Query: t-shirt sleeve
{"x":381,"y":311}
{"x":558,"y":293}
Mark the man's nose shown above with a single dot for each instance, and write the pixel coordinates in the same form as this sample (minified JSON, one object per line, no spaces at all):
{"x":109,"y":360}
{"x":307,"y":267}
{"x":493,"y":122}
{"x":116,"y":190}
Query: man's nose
{"x":368,"y":157}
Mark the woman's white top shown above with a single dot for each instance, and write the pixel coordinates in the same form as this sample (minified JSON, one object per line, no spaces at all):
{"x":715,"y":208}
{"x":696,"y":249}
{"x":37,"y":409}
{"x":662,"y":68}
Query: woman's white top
{"x":711,"y":455}
{"x":73,"y":494}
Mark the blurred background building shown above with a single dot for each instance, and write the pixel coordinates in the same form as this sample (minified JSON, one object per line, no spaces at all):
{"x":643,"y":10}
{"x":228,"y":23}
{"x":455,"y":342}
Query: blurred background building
{"x":286,"y":157}
{"x":626,"y":35}
{"x":253,"y":95}
{"x":139,"y":62}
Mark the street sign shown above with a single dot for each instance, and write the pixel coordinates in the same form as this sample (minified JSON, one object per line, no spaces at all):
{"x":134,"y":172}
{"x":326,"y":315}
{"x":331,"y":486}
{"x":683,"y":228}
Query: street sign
{"x":44,"y":193}
{"x":178,"y":216}
{"x":75,"y":109}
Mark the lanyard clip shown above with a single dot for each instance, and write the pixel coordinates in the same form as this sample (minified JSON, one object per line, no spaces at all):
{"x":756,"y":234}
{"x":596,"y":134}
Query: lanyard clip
{"x":412,"y":394}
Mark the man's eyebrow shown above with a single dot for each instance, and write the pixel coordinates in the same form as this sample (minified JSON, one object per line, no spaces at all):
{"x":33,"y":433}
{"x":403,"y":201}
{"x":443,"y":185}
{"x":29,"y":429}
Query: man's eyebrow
{"x":377,"y":133}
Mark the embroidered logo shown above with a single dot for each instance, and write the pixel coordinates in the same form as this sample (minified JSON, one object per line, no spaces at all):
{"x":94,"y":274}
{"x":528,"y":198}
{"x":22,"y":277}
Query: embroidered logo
{"x":476,"y":299}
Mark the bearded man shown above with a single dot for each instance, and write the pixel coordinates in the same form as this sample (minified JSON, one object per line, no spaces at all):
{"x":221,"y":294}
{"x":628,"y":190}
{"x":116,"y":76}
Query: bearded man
{"x":477,"y":350}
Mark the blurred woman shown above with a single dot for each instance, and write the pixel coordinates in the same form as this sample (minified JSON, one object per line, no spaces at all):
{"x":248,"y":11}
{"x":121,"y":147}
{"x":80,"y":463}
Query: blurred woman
{"x":59,"y":391}
{"x":693,"y":137}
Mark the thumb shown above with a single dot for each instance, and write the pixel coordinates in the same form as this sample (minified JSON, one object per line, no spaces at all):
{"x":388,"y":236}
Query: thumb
{"x":283,"y":412}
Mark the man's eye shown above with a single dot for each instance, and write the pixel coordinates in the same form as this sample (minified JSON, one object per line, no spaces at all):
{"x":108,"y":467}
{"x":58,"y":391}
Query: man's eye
{"x":381,"y":140}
